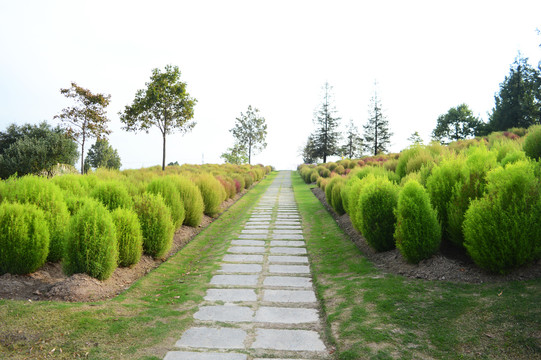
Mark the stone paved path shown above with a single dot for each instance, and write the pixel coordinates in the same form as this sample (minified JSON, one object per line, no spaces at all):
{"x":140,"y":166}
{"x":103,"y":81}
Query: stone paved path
{"x":261,"y":304}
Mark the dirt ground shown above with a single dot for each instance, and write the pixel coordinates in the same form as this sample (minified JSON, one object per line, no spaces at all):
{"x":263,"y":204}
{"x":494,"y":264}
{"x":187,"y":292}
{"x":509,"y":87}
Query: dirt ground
{"x":50,"y":283}
{"x":448,"y":264}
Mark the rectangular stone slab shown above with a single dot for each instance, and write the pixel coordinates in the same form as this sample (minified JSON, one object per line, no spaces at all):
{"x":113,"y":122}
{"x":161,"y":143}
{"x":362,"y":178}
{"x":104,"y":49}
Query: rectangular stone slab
{"x":253,"y":236}
{"x":254,"y":231}
{"x":288,"y":227}
{"x":287,"y":237}
{"x":280,"y":259}
{"x":231,"y":295}
{"x":287,"y":243}
{"x":246,"y":249}
{"x":288,"y":231}
{"x":287,"y":281}
{"x":288,"y":222}
{"x":243,"y":258}
{"x":289,"y":296}
{"x":244,"y":280}
{"x":281,"y":315}
{"x":292,"y":340}
{"x":258,"y":223}
{"x":188,"y":355}
{"x":248,"y":242}
{"x":241,"y":268}
{"x":287,"y":250}
{"x":225,"y":313}
{"x":213,"y":338}
{"x":289,"y":269}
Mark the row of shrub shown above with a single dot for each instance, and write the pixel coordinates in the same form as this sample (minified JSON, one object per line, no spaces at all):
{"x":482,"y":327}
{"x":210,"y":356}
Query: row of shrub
{"x":96,"y":222}
{"x":481,"y":195}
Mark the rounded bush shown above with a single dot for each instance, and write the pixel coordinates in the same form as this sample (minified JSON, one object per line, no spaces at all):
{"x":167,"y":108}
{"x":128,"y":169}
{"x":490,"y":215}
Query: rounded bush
{"x":532,"y":143}
{"x":239,"y":182}
{"x":328,"y":188}
{"x":336,"y":198}
{"x":346,"y":192}
{"x":129,"y":237}
{"x":377,"y":204}
{"x":113,"y":194}
{"x":48,"y":197}
{"x":91,"y":246}
{"x":156,"y":225}
{"x":213,"y":193}
{"x":70,"y":183}
{"x":192,"y":200}
{"x":353,"y":199}
{"x":313,"y":177}
{"x":405,"y":156}
{"x":418,"y":233}
{"x":248,"y":181}
{"x":165,"y":187}
{"x":24,"y":238}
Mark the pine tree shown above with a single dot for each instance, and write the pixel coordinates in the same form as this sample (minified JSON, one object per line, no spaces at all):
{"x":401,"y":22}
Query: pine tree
{"x":325,"y":138}
{"x":377,"y":136}
{"x":354,"y":143}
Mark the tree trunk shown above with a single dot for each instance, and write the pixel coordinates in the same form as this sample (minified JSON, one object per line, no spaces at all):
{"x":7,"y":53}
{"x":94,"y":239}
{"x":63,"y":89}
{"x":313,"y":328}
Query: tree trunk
{"x":83,"y":156}
{"x":250,"y":153}
{"x":163,"y":158}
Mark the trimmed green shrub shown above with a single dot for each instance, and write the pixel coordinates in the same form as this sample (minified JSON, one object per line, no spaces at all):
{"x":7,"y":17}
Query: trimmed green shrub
{"x":313,"y":177}
{"x":329,"y":186}
{"x":240,"y":183}
{"x":71,"y":184}
{"x":192,"y":199}
{"x":248,"y":181}
{"x":440,"y":185}
{"x":353,"y":199}
{"x":129,"y":237}
{"x":113,"y":194}
{"x":532,"y":143}
{"x":213,"y":193}
{"x":377,"y":204}
{"x":513,"y":157}
{"x":418,"y":233}
{"x":420,"y":159}
{"x":91,"y":246}
{"x":49,"y":198}
{"x":377,"y":171}
{"x":336,"y":198}
{"x":156,"y":225}
{"x":405,"y":156}
{"x":165,"y":187}
{"x":24,"y":238}
{"x":502,"y":229}
{"x":346,"y":191}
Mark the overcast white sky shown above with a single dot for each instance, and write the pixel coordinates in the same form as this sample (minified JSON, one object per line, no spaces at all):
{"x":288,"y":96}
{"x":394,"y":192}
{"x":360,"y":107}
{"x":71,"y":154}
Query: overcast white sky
{"x":427,"y":56}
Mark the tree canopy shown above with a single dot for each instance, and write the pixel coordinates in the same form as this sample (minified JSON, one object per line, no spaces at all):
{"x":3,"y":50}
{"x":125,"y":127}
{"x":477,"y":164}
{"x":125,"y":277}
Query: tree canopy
{"x":165,"y":104}
{"x":518,"y":103}
{"x":87,"y":119}
{"x":457,"y":124}
{"x":377,"y":136}
{"x":354,"y":143}
{"x":236,"y":154}
{"x":33,"y":149}
{"x":102,"y":155}
{"x":415,"y":139}
{"x":250,"y":132}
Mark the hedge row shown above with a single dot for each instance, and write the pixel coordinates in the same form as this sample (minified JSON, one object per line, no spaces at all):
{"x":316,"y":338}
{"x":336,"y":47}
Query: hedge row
{"x":105,"y":219}
{"x":481,"y":195}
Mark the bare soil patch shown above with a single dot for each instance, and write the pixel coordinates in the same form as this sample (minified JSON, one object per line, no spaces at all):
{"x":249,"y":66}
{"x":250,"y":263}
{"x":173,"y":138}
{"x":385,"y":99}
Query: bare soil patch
{"x":50,"y":283}
{"x":449,"y":264}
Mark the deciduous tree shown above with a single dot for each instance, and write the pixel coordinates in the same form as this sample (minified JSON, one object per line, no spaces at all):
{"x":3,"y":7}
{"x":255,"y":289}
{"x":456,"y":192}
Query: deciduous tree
{"x":87,"y":119}
{"x":458,"y":124}
{"x":250,"y":132}
{"x":102,"y":154}
{"x":165,"y":104}
{"x":235,"y":155}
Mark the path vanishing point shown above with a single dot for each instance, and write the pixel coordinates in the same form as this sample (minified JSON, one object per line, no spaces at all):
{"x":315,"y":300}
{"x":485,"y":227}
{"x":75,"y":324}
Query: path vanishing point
{"x":260,"y":305}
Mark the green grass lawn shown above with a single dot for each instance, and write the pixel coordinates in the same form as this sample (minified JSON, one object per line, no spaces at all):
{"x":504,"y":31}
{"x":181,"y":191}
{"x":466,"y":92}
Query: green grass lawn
{"x":142,"y":323}
{"x":374,"y":315}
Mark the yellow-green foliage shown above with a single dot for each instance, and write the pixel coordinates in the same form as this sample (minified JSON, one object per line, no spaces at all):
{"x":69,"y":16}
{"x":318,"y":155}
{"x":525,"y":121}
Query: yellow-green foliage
{"x":336,"y":198}
{"x":91,"y":246}
{"x":156,"y":225}
{"x":24,"y":238}
{"x":532,"y":143}
{"x":49,"y":198}
{"x":165,"y":187}
{"x":129,"y":236}
{"x":502,"y":229}
{"x":192,"y":200}
{"x":72,"y":184}
{"x":112,"y":194}
{"x":213,"y":193}
{"x":418,"y":232}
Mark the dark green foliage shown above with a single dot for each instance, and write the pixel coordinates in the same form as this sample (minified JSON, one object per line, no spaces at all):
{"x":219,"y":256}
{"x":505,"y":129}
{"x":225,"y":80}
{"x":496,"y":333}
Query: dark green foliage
{"x":213,"y":193}
{"x":532,"y":143}
{"x":49,"y":198}
{"x":440,"y":185}
{"x":102,"y":155}
{"x":193,"y":200}
{"x":377,"y":204}
{"x":113,"y":194}
{"x":129,"y":236}
{"x":250,"y":132}
{"x":418,"y":232}
{"x":502,"y":229}
{"x":155,"y":220}
{"x":458,"y":124}
{"x":377,"y":136}
{"x":91,"y":246}
{"x":32,"y":149}
{"x":24,"y":238}
{"x":165,"y":187}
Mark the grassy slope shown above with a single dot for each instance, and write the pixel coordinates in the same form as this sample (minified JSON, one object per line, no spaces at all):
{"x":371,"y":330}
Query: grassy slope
{"x":142,"y":323}
{"x":373,"y":315}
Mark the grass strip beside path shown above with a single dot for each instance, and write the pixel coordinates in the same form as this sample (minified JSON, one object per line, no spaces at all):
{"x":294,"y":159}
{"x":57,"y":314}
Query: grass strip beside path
{"x":142,"y":323}
{"x":374,"y":315}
